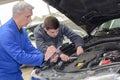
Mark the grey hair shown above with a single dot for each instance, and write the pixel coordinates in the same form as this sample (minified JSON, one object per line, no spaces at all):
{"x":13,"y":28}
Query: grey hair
{"x":20,"y":6}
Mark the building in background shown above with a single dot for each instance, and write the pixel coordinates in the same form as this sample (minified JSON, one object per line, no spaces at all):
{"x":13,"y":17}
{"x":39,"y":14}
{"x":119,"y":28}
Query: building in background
{"x":41,"y":9}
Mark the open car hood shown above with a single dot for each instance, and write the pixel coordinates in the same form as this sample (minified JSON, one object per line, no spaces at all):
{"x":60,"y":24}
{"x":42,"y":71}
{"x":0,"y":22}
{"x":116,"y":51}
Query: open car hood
{"x":90,"y":13}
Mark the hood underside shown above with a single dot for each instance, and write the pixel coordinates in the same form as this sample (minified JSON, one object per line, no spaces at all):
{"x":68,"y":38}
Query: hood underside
{"x":90,"y":13}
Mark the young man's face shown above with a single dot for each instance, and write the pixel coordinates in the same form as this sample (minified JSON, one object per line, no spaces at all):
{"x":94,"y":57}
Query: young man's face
{"x":52,"y":32}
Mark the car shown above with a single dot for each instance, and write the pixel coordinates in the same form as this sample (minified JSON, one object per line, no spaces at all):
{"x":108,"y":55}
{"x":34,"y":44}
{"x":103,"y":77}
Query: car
{"x":101,"y":57}
{"x":30,"y":28}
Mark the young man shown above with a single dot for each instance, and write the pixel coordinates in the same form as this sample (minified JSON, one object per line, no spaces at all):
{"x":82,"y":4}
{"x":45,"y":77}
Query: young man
{"x":15,"y":47}
{"x":50,"y":35}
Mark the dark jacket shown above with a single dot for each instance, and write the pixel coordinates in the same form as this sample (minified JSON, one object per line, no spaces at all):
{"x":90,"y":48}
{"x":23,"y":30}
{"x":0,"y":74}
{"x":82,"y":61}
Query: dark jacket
{"x":15,"y":50}
{"x":43,"y":40}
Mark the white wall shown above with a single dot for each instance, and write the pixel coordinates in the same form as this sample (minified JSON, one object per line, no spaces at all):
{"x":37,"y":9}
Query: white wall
{"x":39,"y":10}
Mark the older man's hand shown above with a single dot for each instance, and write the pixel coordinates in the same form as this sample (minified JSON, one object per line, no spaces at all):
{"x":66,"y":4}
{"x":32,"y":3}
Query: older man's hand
{"x":51,"y":53}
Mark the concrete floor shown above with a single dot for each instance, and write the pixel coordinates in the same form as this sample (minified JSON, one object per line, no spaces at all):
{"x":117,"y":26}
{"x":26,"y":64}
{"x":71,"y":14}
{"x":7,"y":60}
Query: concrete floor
{"x":27,"y":72}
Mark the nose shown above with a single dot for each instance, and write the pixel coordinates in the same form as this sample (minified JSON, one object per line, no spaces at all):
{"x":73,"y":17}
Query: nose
{"x":55,"y":34}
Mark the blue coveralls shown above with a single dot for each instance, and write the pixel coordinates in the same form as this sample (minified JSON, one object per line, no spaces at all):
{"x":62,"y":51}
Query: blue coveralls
{"x":15,"y":50}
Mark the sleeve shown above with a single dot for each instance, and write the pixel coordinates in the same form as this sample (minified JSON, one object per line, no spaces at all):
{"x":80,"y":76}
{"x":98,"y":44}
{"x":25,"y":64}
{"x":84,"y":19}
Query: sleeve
{"x":40,"y":42}
{"x":76,"y":39}
{"x":29,"y":47}
{"x":14,"y":50}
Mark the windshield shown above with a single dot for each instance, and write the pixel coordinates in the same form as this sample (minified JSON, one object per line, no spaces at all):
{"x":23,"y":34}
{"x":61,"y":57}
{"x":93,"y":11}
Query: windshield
{"x":107,"y":27}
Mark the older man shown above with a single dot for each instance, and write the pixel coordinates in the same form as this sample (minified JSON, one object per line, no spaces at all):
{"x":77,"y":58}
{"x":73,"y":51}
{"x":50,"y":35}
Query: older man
{"x":15,"y":47}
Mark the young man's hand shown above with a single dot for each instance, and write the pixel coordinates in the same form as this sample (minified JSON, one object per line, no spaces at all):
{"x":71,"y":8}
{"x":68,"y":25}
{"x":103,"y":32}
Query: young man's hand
{"x":79,"y":50}
{"x":64,"y":57}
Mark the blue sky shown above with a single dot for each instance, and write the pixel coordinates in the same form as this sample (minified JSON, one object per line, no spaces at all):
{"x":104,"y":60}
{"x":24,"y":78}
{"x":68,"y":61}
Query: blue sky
{"x":39,"y":10}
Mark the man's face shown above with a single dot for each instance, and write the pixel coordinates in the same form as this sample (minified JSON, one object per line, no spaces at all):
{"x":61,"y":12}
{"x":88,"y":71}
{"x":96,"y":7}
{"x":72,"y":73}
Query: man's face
{"x":25,"y":17}
{"x":52,"y":32}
